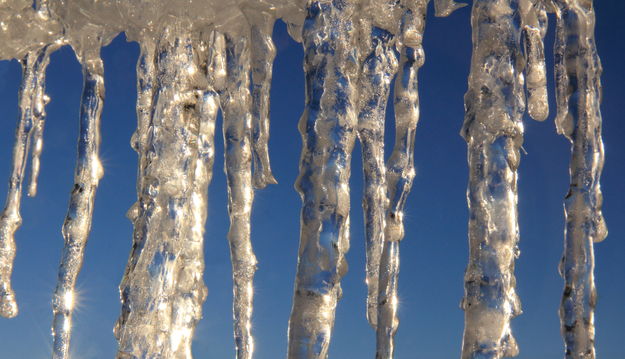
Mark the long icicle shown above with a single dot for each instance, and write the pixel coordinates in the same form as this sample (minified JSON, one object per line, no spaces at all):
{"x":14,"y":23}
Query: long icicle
{"x":145,"y":96}
{"x":262,"y":52}
{"x":400,"y":169}
{"x":534,"y":27}
{"x":77,"y":223}
{"x":379,"y":65}
{"x":579,"y":119}
{"x":150,"y":328}
{"x":237,"y":132}
{"x":39,"y":120}
{"x":33,"y":65}
{"x":328,"y":128}
{"x":192,"y":292}
{"x":494,"y":132}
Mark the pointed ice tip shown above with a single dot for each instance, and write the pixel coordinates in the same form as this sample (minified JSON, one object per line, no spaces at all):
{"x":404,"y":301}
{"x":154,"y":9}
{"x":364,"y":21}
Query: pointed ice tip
{"x":538,"y":111}
{"x":444,"y":8}
{"x":32,"y":190}
{"x":602,"y":230}
{"x":511,"y":347}
{"x":8,"y":305}
{"x":261,"y":181}
{"x":372,"y":316}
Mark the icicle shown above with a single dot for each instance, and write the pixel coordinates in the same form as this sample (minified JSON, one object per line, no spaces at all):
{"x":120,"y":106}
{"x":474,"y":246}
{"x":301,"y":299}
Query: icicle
{"x":534,"y":25}
{"x":192,"y":292}
{"x":33,"y":67}
{"x":494,"y":133}
{"x":146,"y":73}
{"x":579,"y":119}
{"x":328,"y":131}
{"x":446,"y":7}
{"x":150,"y":324}
{"x":77,"y":223}
{"x":236,"y":105}
{"x":400,"y":169}
{"x":39,"y":103}
{"x":379,"y":64}
{"x":263,"y":53}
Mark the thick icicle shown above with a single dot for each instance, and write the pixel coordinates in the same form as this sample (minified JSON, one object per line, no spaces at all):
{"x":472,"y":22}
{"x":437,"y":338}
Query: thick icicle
{"x":446,"y":7}
{"x":77,"y":223}
{"x":494,"y":103}
{"x":579,"y":119}
{"x":192,"y":292}
{"x":40,"y":101}
{"x":328,"y":128}
{"x":534,"y":26}
{"x":400,"y":169}
{"x":150,"y":325}
{"x":379,"y":64}
{"x":33,"y":67}
{"x":145,"y":95}
{"x":262,"y":53}
{"x":236,"y":105}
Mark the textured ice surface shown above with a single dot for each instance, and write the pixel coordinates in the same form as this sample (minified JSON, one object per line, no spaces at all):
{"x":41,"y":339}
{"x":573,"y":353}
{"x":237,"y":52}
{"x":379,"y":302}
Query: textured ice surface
{"x":494,"y":104}
{"x":578,"y":96}
{"x":328,"y":127}
{"x":534,"y":28}
{"x":202,"y":56}
{"x":154,"y":322}
{"x":378,"y":67}
{"x":237,"y":131}
{"x":31,"y":100}
{"x":78,"y":220}
{"x":400,"y":169}
{"x":446,"y":7}
{"x":39,"y":118}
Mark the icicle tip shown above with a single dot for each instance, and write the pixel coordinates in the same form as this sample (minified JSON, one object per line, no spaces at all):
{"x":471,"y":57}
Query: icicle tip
{"x":444,"y":8}
{"x":8,"y":305}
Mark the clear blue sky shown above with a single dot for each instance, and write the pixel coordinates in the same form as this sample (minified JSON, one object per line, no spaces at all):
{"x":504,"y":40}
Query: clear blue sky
{"x":434,"y":252}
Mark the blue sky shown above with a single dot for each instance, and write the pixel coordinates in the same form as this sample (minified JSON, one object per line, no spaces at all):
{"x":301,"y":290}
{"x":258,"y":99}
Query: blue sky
{"x":434,"y":252}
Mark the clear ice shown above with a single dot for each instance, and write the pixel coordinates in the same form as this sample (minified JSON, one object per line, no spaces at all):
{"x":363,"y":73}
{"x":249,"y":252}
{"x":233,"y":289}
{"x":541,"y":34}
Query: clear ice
{"x":39,"y":120}
{"x":156,"y":319}
{"x":494,"y":104}
{"x":534,"y":27}
{"x":77,"y":223}
{"x":202,"y":56}
{"x":237,"y":131}
{"x":30,"y":35}
{"x":262,"y":53}
{"x":578,"y":69}
{"x":400,"y":169}
{"x":328,"y":127}
{"x":34,"y":65}
{"x":379,"y":65}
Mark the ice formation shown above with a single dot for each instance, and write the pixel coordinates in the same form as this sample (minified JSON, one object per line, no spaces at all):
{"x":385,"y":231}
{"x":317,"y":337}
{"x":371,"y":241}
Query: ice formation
{"x":494,"y":104}
{"x":579,"y":119}
{"x":202,"y":56}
